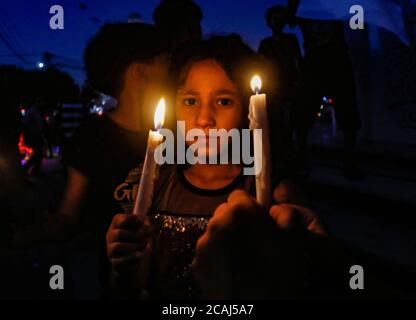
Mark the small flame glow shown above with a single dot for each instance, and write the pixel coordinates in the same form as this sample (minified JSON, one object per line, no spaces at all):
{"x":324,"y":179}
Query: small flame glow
{"x":256,"y":83}
{"x":159,"y":118}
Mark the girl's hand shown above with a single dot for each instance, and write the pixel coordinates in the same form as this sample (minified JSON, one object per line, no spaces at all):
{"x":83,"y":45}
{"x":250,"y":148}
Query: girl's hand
{"x":127,"y":242}
{"x":289,"y":216}
{"x":291,"y":212}
{"x":242,"y":255}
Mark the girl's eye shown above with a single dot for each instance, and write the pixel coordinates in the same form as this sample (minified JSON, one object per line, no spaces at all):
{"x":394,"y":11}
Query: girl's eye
{"x":224,"y":102}
{"x":189,"y":102}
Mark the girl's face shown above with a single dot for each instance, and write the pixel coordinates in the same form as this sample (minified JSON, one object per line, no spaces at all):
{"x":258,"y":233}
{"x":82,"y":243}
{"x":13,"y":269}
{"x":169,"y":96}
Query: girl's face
{"x":208,"y":99}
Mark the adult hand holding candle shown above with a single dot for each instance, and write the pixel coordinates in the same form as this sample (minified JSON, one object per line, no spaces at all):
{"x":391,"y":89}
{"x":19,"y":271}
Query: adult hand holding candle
{"x":259,"y":120}
{"x":149,"y":171}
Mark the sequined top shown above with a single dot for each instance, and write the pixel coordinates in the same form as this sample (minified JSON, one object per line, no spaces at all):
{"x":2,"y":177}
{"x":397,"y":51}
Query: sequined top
{"x":180,"y":215}
{"x":175,"y":237}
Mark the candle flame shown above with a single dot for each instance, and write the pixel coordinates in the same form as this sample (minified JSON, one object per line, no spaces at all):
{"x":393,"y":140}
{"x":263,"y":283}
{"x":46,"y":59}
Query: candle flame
{"x":256,"y":83}
{"x":159,"y":118}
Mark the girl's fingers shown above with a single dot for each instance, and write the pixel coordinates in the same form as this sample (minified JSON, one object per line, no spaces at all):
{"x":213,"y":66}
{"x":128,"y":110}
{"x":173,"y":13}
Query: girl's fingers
{"x":218,"y":218}
{"x":128,"y":261}
{"x":119,"y":250}
{"x":126,"y":221}
{"x":128,"y":235}
{"x":288,"y":216}
{"x":238,"y":197}
{"x":284,"y":216}
{"x":287,"y":192}
{"x":310,"y":219}
{"x":121,"y":235}
{"x":240,"y":201}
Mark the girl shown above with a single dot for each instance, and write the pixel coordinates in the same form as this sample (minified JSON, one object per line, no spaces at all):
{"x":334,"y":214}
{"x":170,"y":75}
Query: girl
{"x":211,"y":78}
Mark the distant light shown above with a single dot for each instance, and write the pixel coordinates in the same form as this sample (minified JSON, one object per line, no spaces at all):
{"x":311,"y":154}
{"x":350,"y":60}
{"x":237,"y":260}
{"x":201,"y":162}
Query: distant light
{"x":322,"y":106}
{"x":56,"y":150}
{"x":97,"y":110}
{"x":325,"y":99}
{"x":24,"y":150}
{"x":330,"y":100}
{"x":319,"y":114}
{"x":23,"y":111}
{"x":41,"y":65}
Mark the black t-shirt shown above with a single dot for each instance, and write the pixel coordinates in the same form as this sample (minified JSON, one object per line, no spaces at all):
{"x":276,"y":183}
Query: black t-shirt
{"x":104,"y":152}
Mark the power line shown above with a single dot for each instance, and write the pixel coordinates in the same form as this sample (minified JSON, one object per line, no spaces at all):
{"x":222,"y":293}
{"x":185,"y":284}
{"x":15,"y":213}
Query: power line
{"x":22,"y":54}
{"x":12,"y":50}
{"x":10,"y":29}
{"x":58,"y":56}
{"x":5,"y":30}
{"x":42,"y":56}
{"x":64,"y":65}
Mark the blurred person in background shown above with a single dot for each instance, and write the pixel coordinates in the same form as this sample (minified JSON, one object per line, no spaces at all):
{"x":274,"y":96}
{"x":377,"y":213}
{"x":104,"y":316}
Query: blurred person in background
{"x":282,"y":51}
{"x":34,"y":137}
{"x":127,"y":61}
{"x":328,"y":71}
{"x":180,"y":20}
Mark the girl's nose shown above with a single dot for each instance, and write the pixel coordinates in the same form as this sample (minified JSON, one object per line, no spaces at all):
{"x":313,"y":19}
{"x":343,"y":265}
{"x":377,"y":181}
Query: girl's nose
{"x":205,"y":117}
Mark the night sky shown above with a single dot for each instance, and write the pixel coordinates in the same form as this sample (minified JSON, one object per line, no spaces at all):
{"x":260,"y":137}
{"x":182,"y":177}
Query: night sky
{"x":25,"y":25}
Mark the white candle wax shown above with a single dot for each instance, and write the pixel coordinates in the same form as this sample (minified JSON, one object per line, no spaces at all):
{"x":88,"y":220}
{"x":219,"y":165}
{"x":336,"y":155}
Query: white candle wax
{"x":149,"y":174}
{"x":259,"y":120}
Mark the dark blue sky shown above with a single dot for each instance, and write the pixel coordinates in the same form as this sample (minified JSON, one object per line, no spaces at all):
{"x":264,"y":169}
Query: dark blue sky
{"x":25,"y":24}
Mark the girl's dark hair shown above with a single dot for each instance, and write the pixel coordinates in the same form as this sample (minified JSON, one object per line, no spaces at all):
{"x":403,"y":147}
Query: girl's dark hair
{"x":237,"y":59}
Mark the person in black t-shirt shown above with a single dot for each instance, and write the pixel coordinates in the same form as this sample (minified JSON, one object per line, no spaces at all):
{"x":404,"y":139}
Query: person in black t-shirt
{"x":328,"y":71}
{"x":129,"y":62}
{"x":100,"y":152}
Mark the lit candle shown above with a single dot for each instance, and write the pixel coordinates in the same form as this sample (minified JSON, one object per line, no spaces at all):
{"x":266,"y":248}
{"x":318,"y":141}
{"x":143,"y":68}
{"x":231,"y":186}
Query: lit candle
{"x":259,"y":120}
{"x":149,"y":171}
